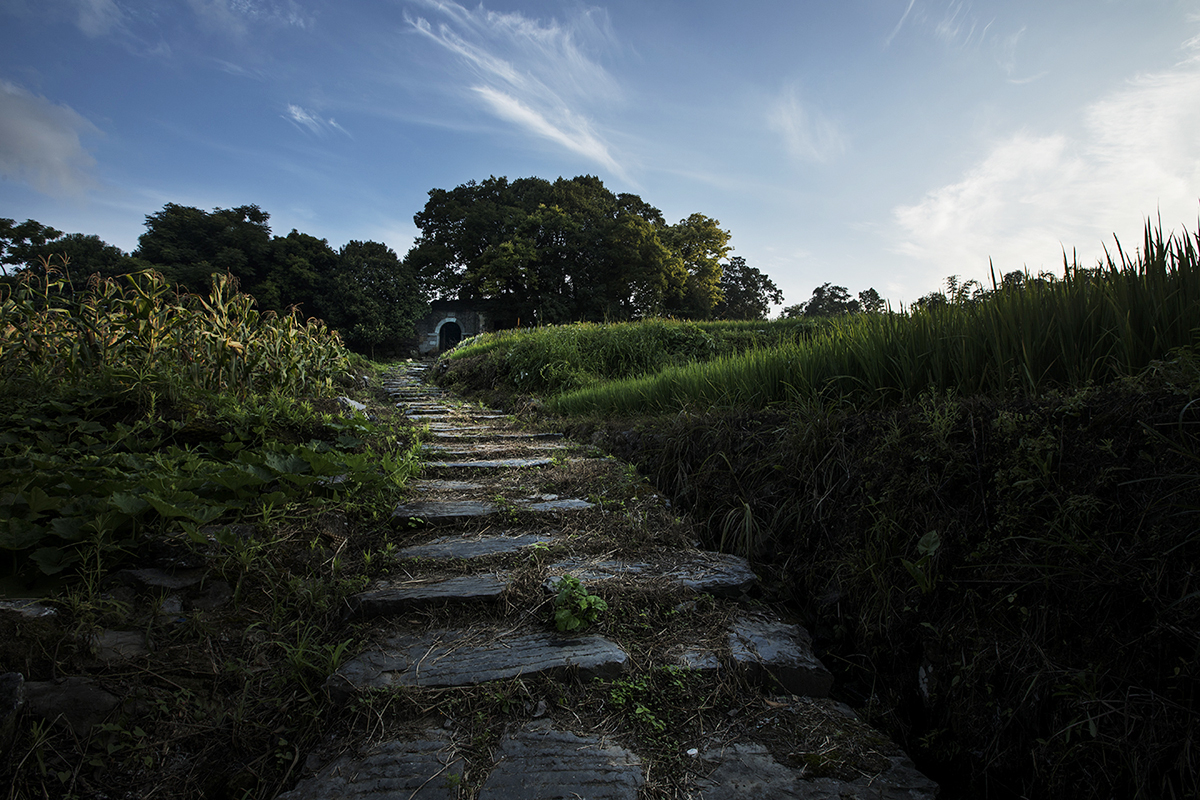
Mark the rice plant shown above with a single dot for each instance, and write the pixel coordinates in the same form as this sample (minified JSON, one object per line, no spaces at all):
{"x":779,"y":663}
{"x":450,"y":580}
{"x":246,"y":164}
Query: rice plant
{"x":1092,"y":325}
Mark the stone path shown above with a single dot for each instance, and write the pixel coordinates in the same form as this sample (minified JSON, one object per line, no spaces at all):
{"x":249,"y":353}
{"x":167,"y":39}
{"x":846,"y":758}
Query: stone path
{"x":498,"y":520}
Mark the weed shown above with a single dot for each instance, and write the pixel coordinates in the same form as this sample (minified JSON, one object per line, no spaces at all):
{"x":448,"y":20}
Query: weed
{"x":574,"y":607}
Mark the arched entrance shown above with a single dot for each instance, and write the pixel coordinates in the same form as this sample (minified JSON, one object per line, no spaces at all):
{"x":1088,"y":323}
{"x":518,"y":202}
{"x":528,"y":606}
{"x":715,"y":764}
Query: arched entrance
{"x":449,"y":334}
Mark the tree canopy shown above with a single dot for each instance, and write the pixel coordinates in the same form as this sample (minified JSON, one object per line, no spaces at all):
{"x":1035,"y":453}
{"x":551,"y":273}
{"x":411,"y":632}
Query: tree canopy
{"x":830,"y":301}
{"x":746,"y":293}
{"x":363,"y":291}
{"x":567,"y":250}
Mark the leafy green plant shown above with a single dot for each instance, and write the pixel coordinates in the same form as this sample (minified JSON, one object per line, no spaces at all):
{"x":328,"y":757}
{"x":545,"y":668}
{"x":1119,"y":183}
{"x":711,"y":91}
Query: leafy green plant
{"x":574,"y":607}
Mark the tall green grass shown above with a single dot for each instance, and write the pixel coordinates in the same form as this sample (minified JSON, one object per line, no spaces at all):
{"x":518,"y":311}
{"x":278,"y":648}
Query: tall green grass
{"x":1093,"y":325}
{"x":568,"y":357}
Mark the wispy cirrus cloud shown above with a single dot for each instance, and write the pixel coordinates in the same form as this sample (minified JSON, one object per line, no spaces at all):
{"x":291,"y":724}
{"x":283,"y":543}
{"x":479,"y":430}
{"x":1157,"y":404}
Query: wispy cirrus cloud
{"x":961,"y":26}
{"x":808,"y":134}
{"x":536,"y":75}
{"x":900,"y":24}
{"x":233,"y":17}
{"x":40,"y":143}
{"x":306,"y":120}
{"x":1033,"y":194}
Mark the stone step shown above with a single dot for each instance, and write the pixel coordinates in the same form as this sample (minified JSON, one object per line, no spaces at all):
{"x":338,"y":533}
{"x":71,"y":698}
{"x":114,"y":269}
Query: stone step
{"x":474,"y":436}
{"x":702,"y":571}
{"x":487,"y":448}
{"x":540,"y":762}
{"x":392,"y":597}
{"x":449,"y":512}
{"x":479,"y":546}
{"x":779,"y":656}
{"x":498,"y":463}
{"x":422,"y":769}
{"x":468,"y":657}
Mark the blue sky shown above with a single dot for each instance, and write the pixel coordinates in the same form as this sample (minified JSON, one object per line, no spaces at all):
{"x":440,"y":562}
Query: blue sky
{"x":870,"y":143}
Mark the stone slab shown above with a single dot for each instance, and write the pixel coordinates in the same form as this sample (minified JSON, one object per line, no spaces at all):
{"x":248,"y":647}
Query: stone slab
{"x":396,"y":597}
{"x":423,"y":769}
{"x":749,"y":770}
{"x":548,"y":764}
{"x":498,"y":463}
{"x":352,"y":405}
{"x":464,"y":658}
{"x":702,"y":571}
{"x":565,"y":504}
{"x":460,"y":547}
{"x":30,"y":609}
{"x":441,"y":512}
{"x":446,"y":486}
{"x":779,"y":656}
{"x":532,"y":436}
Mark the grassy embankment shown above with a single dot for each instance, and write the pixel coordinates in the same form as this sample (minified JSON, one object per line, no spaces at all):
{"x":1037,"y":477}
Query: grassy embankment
{"x":986,"y":512}
{"x":139,"y":428}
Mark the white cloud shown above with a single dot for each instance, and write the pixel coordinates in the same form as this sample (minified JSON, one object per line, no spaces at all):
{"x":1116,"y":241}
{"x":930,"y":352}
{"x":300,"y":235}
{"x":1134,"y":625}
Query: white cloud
{"x":534,"y":74}
{"x":307,"y":120}
{"x":39,"y":143}
{"x":569,"y":130}
{"x":232,"y":16}
{"x":900,"y":24}
{"x":807,"y":133}
{"x":960,"y":26}
{"x":1034,"y":194}
{"x":98,"y":17}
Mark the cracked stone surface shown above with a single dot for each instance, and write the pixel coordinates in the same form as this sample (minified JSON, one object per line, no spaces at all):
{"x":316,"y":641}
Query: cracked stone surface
{"x":702,"y":571}
{"x":461,"y":658}
{"x":539,"y":762}
{"x":395,"y":597}
{"x":462,"y":547}
{"x":498,"y":463}
{"x":779,"y":656}
{"x":442,"y":512}
{"x":749,"y":770}
{"x":424,"y":769}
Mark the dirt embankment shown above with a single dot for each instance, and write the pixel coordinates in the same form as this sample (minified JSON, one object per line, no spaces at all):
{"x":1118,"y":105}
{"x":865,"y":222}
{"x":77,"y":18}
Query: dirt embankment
{"x":1009,"y":587}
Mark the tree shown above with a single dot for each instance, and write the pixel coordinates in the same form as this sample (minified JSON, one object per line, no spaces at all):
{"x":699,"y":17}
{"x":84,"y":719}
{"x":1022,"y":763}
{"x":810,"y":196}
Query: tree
{"x":700,"y":243}
{"x":373,"y":299}
{"x":827,"y":301}
{"x":561,"y":251}
{"x":746,"y":293}
{"x":299,"y":273}
{"x":870,"y":301}
{"x":17,"y":242}
{"x":189,"y":244}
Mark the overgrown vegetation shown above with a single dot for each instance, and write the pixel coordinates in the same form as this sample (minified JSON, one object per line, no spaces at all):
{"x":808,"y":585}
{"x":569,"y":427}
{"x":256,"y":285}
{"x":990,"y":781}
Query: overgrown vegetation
{"x":1093,"y":325}
{"x":985,"y":509}
{"x":147,"y":433}
{"x":554,"y":359}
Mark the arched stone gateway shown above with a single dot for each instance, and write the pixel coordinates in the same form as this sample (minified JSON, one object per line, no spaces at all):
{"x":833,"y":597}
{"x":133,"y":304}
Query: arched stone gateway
{"x":450,"y":321}
{"x":449,"y":334}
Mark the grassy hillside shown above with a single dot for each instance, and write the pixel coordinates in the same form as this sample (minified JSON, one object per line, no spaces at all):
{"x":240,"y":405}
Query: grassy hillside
{"x":985,"y":512}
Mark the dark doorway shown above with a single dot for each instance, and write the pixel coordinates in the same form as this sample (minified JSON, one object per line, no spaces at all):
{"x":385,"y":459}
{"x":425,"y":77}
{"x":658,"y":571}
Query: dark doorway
{"x":449,"y":335}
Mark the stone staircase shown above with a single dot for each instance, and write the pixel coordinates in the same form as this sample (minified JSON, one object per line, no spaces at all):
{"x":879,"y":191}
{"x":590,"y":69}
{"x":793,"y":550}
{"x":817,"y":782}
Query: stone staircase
{"x":685,"y":687}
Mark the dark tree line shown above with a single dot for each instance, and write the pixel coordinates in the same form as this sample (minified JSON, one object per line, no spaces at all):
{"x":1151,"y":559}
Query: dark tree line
{"x":362,"y":290}
{"x":830,"y":301}
{"x":546,"y":251}
{"x":572,"y":250}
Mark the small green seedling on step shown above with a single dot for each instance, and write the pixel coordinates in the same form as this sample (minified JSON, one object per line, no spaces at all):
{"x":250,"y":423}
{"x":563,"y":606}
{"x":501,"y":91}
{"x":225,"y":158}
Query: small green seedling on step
{"x":574,"y":608}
